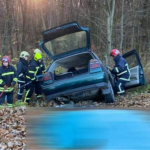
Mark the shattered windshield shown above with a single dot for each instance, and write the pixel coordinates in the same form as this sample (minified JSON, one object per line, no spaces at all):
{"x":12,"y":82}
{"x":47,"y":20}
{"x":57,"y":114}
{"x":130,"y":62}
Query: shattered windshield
{"x":67,"y":43}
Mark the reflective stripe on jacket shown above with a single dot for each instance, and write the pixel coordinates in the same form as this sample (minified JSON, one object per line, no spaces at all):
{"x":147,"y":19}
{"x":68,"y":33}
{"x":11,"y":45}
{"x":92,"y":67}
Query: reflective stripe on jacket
{"x":121,"y":68}
{"x":7,"y":76}
{"x":41,"y":65}
{"x":9,"y":89}
{"x":33,"y":70}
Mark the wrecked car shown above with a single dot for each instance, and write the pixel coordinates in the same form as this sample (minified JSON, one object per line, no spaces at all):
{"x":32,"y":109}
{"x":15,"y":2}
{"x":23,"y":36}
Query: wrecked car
{"x":76,"y":72}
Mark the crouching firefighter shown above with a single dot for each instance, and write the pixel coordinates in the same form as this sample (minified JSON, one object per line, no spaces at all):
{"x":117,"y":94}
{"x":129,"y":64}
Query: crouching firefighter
{"x":121,"y":70}
{"x":22,"y":68}
{"x":31,"y":75}
{"x":8,"y":79}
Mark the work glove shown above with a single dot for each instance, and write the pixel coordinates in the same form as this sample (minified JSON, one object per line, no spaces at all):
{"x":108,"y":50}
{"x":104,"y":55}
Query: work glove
{"x":109,"y":68}
{"x":13,"y":84}
{"x":5,"y":87}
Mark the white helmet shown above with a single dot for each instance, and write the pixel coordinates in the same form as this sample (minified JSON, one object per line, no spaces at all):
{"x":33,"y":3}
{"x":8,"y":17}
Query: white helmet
{"x":37,"y":51}
{"x":24,"y":54}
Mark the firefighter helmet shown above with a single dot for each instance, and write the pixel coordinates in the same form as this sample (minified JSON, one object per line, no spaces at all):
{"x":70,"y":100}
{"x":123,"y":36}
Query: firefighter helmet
{"x":37,"y":56}
{"x":6,"y":59}
{"x":37,"y":51}
{"x":24,"y":54}
{"x":114,"y":52}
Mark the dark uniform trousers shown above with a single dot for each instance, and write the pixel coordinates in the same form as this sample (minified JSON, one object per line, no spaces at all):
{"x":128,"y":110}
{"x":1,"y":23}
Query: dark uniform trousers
{"x":38,"y":89}
{"x":8,"y":97}
{"x":120,"y":87}
{"x":29,"y":92}
{"x":20,"y":91}
{"x":34,"y":86}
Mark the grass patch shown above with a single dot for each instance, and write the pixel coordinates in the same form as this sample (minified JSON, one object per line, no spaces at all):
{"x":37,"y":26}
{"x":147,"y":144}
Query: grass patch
{"x":137,"y":90}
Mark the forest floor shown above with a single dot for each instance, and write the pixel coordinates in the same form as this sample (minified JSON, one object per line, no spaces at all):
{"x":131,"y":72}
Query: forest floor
{"x":13,"y":128}
{"x":135,"y":98}
{"x":139,"y":100}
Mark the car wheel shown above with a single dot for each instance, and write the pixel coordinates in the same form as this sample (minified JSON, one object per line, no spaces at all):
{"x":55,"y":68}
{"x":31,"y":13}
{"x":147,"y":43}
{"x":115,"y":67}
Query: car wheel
{"x":110,"y":98}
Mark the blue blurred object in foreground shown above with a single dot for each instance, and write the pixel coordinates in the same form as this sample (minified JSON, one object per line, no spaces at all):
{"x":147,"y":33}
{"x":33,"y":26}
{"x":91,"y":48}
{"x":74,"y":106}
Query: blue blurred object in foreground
{"x":92,"y":129}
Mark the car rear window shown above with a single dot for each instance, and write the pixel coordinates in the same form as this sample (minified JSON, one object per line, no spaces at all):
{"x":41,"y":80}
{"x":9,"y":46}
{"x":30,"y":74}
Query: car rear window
{"x":67,"y":43}
{"x":63,"y":73}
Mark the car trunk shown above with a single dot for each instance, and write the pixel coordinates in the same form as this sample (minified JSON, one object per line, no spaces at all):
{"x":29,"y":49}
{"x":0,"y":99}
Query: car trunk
{"x":74,"y":76}
{"x":71,"y":66}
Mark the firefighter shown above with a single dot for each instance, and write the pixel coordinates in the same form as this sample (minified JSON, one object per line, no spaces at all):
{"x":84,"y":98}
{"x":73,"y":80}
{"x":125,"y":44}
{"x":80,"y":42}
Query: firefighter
{"x":8,"y":79}
{"x":22,"y":68}
{"x":33,"y":70}
{"x":121,"y":70}
{"x":42,"y":66}
{"x":38,"y":88}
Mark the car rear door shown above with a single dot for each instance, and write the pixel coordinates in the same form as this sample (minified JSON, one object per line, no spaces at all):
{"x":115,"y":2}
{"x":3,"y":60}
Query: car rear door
{"x":65,"y":40}
{"x":136,"y":69}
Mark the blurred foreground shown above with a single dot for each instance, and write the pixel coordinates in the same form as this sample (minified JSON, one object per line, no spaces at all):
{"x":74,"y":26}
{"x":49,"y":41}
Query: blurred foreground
{"x":96,"y":129}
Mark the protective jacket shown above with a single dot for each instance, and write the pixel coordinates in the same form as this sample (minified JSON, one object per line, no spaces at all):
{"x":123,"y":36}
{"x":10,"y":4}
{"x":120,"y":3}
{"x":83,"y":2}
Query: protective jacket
{"x":121,"y":68}
{"x":42,"y":66}
{"x":22,"y":68}
{"x":35,"y":68}
{"x":8,"y":76}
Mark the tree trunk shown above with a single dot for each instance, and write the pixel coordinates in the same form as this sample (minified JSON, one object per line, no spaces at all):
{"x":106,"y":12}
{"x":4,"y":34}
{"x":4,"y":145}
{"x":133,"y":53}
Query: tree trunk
{"x":110,"y":7}
{"x":24,"y":22}
{"x":122,"y":28}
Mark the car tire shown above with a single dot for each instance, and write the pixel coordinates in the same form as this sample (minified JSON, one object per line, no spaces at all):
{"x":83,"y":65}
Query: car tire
{"x":110,"y":98}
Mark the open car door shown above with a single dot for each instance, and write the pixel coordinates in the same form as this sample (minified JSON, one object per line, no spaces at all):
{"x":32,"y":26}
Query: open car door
{"x":136,"y":69}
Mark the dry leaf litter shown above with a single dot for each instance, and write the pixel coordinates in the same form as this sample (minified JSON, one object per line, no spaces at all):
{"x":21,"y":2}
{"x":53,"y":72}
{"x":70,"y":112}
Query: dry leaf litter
{"x":12,"y":128}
